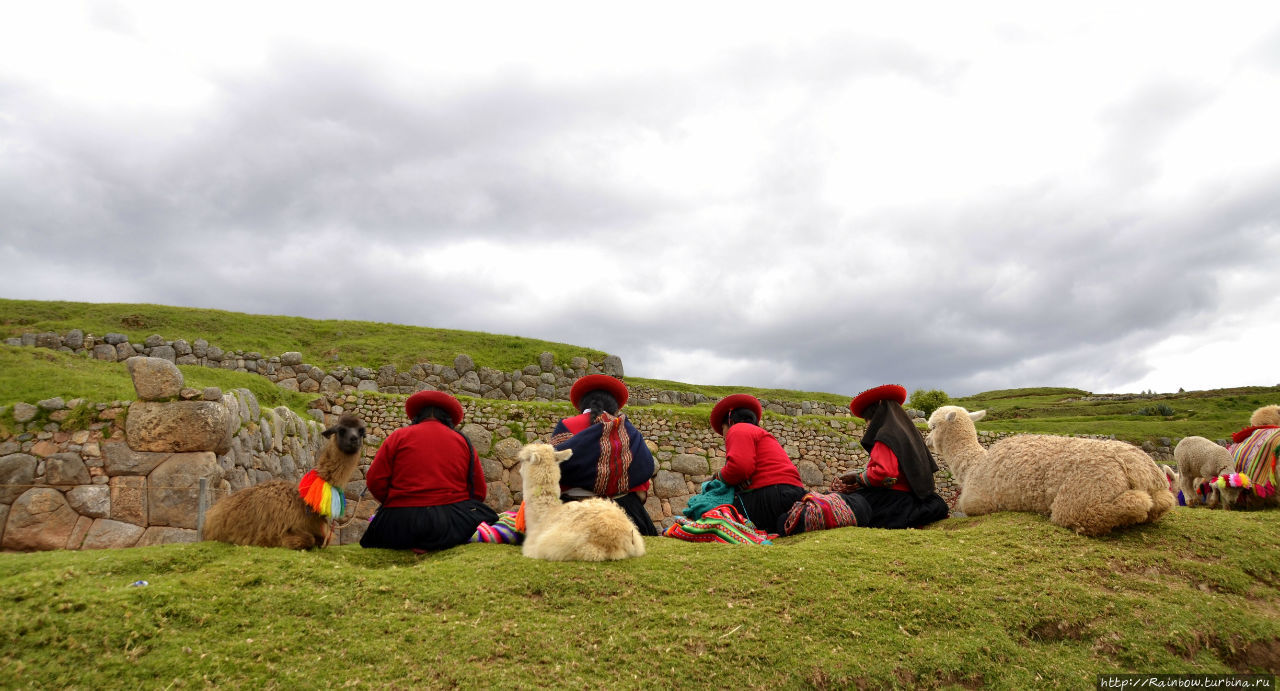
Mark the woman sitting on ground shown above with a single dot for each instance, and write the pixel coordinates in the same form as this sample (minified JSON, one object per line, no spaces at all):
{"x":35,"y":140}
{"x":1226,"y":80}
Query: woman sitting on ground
{"x":610,"y":458}
{"x":898,"y":480}
{"x":428,"y":479}
{"x":767,"y":482}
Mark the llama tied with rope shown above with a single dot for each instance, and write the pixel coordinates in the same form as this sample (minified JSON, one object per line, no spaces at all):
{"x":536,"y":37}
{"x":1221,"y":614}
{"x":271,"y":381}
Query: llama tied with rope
{"x":282,"y":514}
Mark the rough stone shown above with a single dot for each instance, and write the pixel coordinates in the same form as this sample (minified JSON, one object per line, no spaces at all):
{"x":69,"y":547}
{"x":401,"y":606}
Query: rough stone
{"x":492,"y":469}
{"x":480,"y":437}
{"x":499,"y":497}
{"x":463,"y":364}
{"x":689,"y":464}
{"x":74,"y":339}
{"x":173,"y":487}
{"x":124,"y":351}
{"x":93,"y":501}
{"x":505,"y":451}
{"x":119,"y":459}
{"x":546,"y":362}
{"x":16,"y":470}
{"x":40,"y":519}
{"x":367,"y":385}
{"x":154,"y":379}
{"x":78,"y":533}
{"x":129,"y":499}
{"x":669,"y":484}
{"x":810,"y":474}
{"x":108,"y":534}
{"x":51,"y":404}
{"x":178,"y":426}
{"x":104,"y":352}
{"x":612,"y":366}
{"x":115,"y":338}
{"x":24,"y":412}
{"x":164,"y":535}
{"x":65,"y":469}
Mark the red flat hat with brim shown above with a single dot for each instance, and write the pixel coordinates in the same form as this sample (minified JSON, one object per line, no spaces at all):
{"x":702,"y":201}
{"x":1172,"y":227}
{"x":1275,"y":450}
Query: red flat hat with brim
{"x":891,"y":392}
{"x":440,"y":399}
{"x":730,"y":403}
{"x":598,"y":382}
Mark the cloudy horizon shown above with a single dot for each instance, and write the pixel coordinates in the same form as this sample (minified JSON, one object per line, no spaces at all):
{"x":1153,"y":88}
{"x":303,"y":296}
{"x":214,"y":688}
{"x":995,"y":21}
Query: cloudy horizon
{"x":824,"y":198}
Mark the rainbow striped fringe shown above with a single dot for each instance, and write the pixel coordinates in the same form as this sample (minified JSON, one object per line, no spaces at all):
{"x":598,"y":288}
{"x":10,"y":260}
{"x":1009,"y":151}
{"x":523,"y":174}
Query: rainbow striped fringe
{"x":320,"y":496}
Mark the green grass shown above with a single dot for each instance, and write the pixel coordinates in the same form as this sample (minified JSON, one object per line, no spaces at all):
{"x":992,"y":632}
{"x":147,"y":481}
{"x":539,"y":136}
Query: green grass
{"x":35,"y":374}
{"x":322,"y":342}
{"x":1212,"y":414}
{"x":1007,"y":601}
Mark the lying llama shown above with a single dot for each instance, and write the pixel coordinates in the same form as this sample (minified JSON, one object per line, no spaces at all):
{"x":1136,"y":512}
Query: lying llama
{"x":1091,"y":486}
{"x":282,"y":514}
{"x":1199,"y":461}
{"x":587,"y":530}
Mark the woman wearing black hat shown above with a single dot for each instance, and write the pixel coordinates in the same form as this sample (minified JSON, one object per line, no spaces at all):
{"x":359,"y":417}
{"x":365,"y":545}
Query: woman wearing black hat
{"x":428,"y":479}
{"x":898,"y":479}
{"x":767,"y":482}
{"x":610,"y":458}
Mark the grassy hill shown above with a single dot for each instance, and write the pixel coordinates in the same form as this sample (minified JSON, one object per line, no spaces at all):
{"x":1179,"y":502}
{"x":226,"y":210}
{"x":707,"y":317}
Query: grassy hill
{"x":1007,"y":600}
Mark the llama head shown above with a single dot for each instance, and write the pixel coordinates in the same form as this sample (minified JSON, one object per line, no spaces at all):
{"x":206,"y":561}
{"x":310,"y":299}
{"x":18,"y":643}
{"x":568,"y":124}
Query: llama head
{"x":348,"y":434}
{"x":949,"y":416}
{"x":540,"y":468}
{"x":1266,"y":415}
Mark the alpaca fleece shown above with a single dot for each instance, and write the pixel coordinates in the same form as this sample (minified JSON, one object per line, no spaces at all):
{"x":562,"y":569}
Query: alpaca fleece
{"x":1199,"y":460}
{"x":1090,"y":486}
{"x":273,"y":513}
{"x":588,"y":530}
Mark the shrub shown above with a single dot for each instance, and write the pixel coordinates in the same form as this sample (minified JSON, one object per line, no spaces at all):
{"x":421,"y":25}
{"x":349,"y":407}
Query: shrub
{"x":928,"y":401}
{"x":1160,"y":409}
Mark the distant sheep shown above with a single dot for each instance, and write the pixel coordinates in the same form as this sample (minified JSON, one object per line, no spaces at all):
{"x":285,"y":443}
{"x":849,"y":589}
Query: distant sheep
{"x":1199,"y":460}
{"x":1266,"y":415}
{"x":587,"y":530}
{"x":1091,"y":486}
{"x":275,"y":513}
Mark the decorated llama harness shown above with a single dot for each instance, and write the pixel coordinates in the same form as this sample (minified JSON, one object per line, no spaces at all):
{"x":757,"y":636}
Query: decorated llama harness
{"x":322,"y":497}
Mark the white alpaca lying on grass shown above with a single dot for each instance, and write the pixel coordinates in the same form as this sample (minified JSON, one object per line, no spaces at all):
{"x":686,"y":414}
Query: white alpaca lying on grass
{"x":588,"y":530}
{"x":1200,"y":460}
{"x":1091,"y":486}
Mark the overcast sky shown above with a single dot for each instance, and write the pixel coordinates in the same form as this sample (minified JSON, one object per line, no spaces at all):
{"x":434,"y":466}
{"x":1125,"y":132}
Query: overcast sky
{"x":816,"y":196}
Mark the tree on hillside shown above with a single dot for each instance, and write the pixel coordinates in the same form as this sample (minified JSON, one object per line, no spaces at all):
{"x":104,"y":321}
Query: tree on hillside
{"x":928,"y":401}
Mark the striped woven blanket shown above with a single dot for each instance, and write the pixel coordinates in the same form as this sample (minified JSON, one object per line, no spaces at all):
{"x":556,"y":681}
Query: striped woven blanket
{"x":818,"y":512}
{"x":720,"y":524}
{"x":1255,"y":456}
{"x":503,"y":532}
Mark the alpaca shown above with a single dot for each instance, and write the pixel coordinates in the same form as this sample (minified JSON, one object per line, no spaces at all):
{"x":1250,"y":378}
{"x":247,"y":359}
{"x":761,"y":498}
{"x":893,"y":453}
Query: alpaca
{"x":587,"y":530}
{"x":1266,"y":415}
{"x":1199,"y":460}
{"x":1091,"y":486}
{"x":275,"y":513}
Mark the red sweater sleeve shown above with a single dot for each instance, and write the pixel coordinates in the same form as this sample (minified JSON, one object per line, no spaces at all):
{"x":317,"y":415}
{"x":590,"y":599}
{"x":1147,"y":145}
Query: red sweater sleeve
{"x":479,"y":488}
{"x":882,"y":470}
{"x":740,"y":453}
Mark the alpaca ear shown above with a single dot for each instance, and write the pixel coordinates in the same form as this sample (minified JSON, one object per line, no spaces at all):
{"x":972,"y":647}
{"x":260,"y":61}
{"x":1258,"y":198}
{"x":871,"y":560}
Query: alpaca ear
{"x":329,"y":432}
{"x":562,"y":456}
{"x":977,"y":415}
{"x":951,"y":416}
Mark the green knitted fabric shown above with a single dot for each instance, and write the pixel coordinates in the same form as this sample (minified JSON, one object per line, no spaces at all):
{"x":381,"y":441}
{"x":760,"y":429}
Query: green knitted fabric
{"x":713,"y":494}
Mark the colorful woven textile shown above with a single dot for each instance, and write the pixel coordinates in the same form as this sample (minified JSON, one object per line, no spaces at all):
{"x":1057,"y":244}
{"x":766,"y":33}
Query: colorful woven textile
{"x":503,"y":532}
{"x":322,"y":497}
{"x":1256,"y":457}
{"x":819,"y":512}
{"x":721,"y":524}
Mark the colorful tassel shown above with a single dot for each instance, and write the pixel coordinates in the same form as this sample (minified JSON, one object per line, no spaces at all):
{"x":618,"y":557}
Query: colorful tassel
{"x":322,"y":497}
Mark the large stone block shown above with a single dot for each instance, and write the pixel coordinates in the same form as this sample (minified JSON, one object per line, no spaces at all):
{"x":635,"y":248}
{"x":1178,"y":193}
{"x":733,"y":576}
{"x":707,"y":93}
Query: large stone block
{"x":40,"y":519}
{"x":16,"y":471}
{"x":668,"y":484}
{"x":178,"y":426}
{"x":810,"y":474}
{"x":119,"y":459}
{"x":155,"y":379}
{"x":129,"y":499}
{"x":65,"y":469}
{"x":480,"y":438}
{"x":505,"y":451}
{"x":164,"y":535}
{"x":93,"y":501}
{"x":173,"y":488}
{"x":106,"y":534}
{"x":689,"y":464}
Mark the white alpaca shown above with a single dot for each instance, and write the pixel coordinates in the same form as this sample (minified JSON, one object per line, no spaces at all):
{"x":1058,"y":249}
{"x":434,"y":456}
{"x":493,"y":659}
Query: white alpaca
{"x":1266,"y":415}
{"x":1199,"y":460}
{"x":1088,"y":485}
{"x":588,"y":530}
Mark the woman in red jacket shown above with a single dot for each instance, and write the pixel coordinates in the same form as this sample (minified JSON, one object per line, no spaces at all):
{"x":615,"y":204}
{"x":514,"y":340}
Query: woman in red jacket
{"x":898,"y":480}
{"x":757,"y":466}
{"x":428,"y":479}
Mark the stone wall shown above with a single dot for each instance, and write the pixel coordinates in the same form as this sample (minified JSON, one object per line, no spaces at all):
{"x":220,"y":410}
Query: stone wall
{"x":545,"y":380}
{"x":82,"y":475}
{"x":687,"y":451}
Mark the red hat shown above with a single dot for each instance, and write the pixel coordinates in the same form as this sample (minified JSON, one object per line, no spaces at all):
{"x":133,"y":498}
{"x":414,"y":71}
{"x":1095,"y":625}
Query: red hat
{"x":891,"y":392}
{"x":422,"y":399}
{"x":598,"y":382}
{"x":731,"y":403}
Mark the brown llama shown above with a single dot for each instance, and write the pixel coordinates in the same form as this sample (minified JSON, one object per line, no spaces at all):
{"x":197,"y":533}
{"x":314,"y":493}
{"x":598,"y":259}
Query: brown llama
{"x":275,"y":513}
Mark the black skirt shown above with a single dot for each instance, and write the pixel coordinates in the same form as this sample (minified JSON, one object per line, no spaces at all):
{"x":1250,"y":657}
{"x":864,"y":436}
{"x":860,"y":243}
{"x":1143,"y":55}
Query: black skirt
{"x":891,"y":508}
{"x":634,"y":508}
{"x":426,"y":528}
{"x":767,"y":507}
